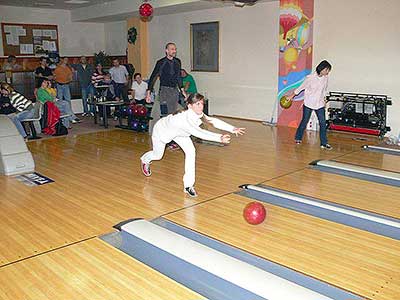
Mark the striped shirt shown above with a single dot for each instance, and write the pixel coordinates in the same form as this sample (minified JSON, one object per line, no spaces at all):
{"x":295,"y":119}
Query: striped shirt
{"x":19,"y":101}
{"x":97,"y":78}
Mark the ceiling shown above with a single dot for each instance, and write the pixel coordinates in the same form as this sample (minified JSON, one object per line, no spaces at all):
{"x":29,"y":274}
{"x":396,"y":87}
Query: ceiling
{"x":54,"y":4}
{"x":104,"y":11}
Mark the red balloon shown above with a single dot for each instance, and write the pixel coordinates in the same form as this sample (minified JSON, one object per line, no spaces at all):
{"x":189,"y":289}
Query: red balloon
{"x":254,"y":213}
{"x":146,"y":10}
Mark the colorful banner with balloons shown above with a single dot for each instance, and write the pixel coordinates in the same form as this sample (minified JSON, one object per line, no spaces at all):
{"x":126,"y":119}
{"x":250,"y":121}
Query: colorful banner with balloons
{"x":295,"y":56}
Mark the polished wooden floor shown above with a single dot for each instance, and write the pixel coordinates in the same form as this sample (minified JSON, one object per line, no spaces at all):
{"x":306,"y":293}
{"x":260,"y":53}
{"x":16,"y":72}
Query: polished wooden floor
{"x":352,"y":259}
{"x":98,"y":183}
{"x":373,"y":160}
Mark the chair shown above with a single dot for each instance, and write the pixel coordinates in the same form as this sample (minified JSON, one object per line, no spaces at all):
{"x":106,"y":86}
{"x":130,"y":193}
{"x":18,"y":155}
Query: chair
{"x":38,"y":111}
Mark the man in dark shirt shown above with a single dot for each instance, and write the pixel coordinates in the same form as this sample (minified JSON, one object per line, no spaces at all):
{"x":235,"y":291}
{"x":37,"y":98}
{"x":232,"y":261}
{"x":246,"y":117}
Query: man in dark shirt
{"x":168,"y":69}
{"x":43,"y":71}
{"x":85,"y":72}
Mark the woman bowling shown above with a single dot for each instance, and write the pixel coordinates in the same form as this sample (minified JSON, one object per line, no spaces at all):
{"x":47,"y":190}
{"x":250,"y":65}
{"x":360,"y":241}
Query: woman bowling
{"x":315,"y":88}
{"x":179,"y":127}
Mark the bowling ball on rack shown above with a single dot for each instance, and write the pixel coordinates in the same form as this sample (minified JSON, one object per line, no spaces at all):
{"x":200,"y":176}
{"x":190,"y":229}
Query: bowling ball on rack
{"x":135,"y":125}
{"x":254,"y":213}
{"x":141,"y":110}
{"x":134,"y":109}
{"x":285,"y":102}
{"x":144,"y":126}
{"x":124,"y":111}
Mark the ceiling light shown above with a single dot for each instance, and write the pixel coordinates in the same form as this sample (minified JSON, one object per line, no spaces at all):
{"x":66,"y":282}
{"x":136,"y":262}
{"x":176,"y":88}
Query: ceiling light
{"x":44,"y":4}
{"x":76,"y":1}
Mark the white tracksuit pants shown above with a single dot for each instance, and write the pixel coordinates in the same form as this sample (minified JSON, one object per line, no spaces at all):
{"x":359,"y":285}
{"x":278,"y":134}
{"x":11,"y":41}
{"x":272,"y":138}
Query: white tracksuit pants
{"x":190,"y":156}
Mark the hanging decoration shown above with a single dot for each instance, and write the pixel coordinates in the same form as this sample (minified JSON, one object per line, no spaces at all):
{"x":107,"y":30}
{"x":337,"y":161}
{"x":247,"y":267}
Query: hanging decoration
{"x":132,"y":35}
{"x":146,"y":10}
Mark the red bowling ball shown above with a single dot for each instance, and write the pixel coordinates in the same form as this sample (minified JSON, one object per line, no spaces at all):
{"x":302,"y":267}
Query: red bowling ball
{"x":141,"y":110}
{"x":254,"y":213}
{"x":134,"y":108}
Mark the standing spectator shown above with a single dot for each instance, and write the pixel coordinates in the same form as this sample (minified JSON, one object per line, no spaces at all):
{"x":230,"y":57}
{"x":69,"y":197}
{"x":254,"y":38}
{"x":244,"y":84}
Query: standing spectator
{"x":43,"y":71}
{"x":168,"y":69}
{"x":11,"y":64}
{"x":119,"y":75}
{"x":188,"y":82}
{"x":63,"y":77}
{"x":139,"y":89}
{"x":98,"y":75}
{"x":85,"y":72}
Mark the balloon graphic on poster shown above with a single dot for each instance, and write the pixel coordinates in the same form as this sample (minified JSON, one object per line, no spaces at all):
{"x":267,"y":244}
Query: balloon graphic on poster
{"x":289,"y":17}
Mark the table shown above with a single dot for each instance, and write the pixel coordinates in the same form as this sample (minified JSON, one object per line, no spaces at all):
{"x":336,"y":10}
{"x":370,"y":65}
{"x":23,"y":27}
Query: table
{"x":107,"y":104}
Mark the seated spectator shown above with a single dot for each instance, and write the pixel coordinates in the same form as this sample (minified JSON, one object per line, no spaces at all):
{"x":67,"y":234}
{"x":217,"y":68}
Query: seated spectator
{"x":46,"y":93}
{"x":139,"y":89}
{"x":11,"y":64}
{"x":188,"y":82}
{"x":23,"y":106}
{"x":109,"y":93}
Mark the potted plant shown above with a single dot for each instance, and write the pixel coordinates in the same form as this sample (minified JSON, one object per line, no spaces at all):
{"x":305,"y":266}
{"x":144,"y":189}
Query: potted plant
{"x":102,"y":58}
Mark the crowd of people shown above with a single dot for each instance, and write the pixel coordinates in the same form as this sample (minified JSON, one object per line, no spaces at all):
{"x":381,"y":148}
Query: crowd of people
{"x":53,"y":85}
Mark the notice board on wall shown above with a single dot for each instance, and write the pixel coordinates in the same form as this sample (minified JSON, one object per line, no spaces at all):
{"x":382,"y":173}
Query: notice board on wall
{"x":29,"y":39}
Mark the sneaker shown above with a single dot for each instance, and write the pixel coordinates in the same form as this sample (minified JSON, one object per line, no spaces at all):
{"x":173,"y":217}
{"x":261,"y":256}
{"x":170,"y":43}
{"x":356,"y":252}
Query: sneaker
{"x":190,"y":191}
{"x":91,"y":114}
{"x":146,"y":169}
{"x":84,"y":114}
{"x":326,"y":147}
{"x":298,"y":142}
{"x":76,"y":121}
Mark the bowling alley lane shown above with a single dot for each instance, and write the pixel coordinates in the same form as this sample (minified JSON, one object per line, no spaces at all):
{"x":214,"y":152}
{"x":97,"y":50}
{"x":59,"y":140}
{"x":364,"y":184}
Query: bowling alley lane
{"x":375,"y":160}
{"x":354,"y":260}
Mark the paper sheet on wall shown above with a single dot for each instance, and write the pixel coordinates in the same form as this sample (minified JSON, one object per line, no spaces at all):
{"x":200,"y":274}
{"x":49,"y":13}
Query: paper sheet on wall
{"x":26,"y":49}
{"x":15,"y":40}
{"x":53,"y":34}
{"x":37,"y":40}
{"x":9,"y":39}
{"x":46,"y":45}
{"x":7,"y":28}
{"x":12,"y":40}
{"x":21,"y":31}
{"x":47,"y":33}
{"x":14,"y":30}
{"x":52,"y":46}
{"x":37,"y":32}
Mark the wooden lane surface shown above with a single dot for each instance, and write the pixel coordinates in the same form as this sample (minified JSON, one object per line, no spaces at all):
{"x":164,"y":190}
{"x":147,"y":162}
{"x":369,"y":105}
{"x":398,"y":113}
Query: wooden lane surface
{"x":369,"y":196}
{"x":373,"y":159}
{"x":98,"y":183}
{"x":86,"y":271}
{"x":355,"y":260}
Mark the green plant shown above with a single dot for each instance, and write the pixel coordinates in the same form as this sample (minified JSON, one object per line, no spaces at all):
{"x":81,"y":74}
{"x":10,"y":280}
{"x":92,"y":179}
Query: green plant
{"x":102,"y":58}
{"x":132,"y":35}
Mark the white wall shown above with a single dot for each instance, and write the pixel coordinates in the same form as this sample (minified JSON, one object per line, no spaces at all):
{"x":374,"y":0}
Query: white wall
{"x":75,"y":38}
{"x":246,"y":85}
{"x":361,"y":40}
{"x":116,"y":38}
